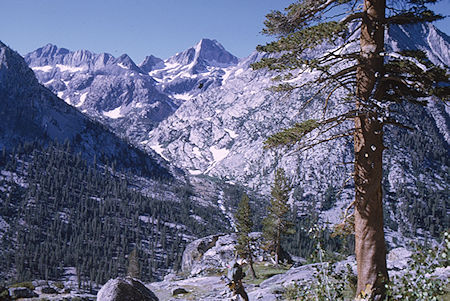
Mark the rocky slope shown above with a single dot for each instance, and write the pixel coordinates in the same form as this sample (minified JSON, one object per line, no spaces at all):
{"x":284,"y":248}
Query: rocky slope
{"x":273,"y":283}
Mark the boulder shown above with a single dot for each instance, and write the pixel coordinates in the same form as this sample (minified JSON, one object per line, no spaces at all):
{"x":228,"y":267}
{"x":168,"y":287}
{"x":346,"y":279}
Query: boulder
{"x":179,"y":291}
{"x":213,"y":254}
{"x":195,"y":250}
{"x":21,"y":292}
{"x":398,"y":258}
{"x":209,"y":255}
{"x":125,"y":289}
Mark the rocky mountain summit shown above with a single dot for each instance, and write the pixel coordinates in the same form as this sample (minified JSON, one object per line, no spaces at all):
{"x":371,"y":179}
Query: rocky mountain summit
{"x":193,"y":71}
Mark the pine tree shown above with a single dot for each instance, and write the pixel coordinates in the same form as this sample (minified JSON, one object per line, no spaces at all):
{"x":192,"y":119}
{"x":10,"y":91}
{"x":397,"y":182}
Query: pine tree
{"x":244,"y":225}
{"x":133,"y":264}
{"x":277,"y":222}
{"x":375,"y":79}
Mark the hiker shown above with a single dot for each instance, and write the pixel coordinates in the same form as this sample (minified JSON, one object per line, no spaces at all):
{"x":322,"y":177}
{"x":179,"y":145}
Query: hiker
{"x":235,"y":274}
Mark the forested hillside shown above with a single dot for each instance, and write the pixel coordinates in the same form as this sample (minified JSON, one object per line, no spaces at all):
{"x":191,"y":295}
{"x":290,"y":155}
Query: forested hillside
{"x":58,"y":211}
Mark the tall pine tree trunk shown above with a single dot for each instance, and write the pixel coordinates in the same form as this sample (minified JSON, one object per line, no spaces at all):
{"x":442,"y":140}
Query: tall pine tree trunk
{"x":278,"y":245}
{"x":370,"y":248}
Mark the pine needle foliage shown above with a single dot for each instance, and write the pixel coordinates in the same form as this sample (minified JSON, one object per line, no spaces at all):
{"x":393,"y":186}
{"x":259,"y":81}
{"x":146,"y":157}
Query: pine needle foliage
{"x":244,"y":226}
{"x":277,"y":222}
{"x":291,"y":136}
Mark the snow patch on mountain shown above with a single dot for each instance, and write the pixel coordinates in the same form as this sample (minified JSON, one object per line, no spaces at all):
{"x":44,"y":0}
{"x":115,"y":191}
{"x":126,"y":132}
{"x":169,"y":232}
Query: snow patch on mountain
{"x":65,"y":68}
{"x":82,"y":99}
{"x":43,"y":68}
{"x":113,"y":114}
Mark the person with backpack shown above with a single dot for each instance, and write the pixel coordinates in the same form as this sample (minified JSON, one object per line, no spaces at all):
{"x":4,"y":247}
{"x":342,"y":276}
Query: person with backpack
{"x":235,"y":274}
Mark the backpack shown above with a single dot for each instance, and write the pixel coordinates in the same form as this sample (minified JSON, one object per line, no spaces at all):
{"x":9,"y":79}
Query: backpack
{"x":237,"y":273}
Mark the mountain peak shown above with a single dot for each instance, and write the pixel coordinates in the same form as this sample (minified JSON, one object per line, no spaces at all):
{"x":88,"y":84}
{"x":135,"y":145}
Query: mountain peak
{"x":205,"y":42}
{"x":151,"y":63}
{"x":124,"y":61}
{"x":13,"y":70}
{"x":205,"y":52}
{"x":51,"y":50}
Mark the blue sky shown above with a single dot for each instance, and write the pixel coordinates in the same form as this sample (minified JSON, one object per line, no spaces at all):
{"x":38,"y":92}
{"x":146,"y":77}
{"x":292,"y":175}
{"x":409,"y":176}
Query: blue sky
{"x":141,"y":27}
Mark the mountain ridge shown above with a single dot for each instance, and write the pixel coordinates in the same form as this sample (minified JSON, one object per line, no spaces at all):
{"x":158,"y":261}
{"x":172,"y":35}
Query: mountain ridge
{"x":106,"y":88}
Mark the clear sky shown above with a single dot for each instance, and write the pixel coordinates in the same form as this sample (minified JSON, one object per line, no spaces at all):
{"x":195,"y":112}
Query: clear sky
{"x":141,"y":27}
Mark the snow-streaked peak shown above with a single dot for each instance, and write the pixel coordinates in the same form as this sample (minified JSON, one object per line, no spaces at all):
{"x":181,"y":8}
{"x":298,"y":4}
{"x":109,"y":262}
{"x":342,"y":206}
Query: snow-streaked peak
{"x":151,"y":63}
{"x":191,"y":72}
{"x":206,"y":52}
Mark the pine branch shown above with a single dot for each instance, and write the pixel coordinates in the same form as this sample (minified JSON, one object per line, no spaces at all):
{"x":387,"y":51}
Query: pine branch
{"x":413,"y":17}
{"x":334,"y":137}
{"x":291,"y":135}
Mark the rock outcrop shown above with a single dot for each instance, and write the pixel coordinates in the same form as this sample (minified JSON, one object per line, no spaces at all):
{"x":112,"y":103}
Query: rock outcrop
{"x":194,"y":252}
{"x":213,"y":254}
{"x":125,"y":289}
{"x":21,"y":292}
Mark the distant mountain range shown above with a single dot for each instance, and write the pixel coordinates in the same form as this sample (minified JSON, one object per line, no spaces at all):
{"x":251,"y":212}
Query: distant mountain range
{"x":131,"y":99}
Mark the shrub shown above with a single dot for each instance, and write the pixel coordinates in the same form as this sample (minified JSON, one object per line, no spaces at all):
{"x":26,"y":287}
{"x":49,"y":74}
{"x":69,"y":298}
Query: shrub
{"x":418,"y":282}
{"x":24,"y":284}
{"x":59,"y":285}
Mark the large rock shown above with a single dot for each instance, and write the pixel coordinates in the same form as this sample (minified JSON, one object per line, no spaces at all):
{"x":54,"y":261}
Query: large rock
{"x":213,"y":254}
{"x":125,"y":289}
{"x":398,"y":259}
{"x":21,"y":292}
{"x":179,"y":291}
{"x":193,"y":254}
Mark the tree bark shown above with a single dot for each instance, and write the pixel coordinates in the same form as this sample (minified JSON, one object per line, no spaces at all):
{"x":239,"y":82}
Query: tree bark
{"x":370,"y":248}
{"x":250,"y":261}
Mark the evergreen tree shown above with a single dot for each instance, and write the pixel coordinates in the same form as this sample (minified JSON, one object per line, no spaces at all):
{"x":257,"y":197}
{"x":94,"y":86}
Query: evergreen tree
{"x":133,"y":264}
{"x":244,"y":225}
{"x":277,"y":222}
{"x":376,"y":81}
